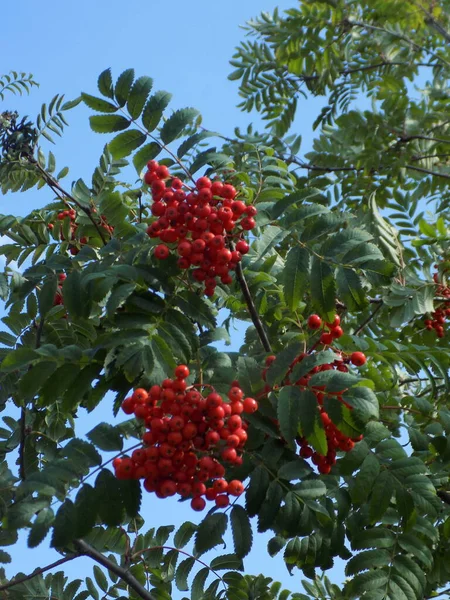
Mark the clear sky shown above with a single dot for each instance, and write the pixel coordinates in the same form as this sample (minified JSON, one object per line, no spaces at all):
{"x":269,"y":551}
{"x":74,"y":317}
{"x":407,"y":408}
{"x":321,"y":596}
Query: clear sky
{"x":185,"y":47}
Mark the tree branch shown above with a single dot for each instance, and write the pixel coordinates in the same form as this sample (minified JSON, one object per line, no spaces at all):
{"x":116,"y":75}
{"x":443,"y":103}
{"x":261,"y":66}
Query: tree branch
{"x":369,"y":318}
{"x":37,"y":572}
{"x":56,"y":187}
{"x":428,"y":172}
{"x":23,"y":413}
{"x":252,"y":309}
{"x":87,"y":550}
{"x":444,"y":496}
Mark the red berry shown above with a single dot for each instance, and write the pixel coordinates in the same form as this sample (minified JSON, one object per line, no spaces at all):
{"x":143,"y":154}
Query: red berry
{"x":250,"y":405}
{"x":248,"y":223}
{"x":198,"y":503}
{"x":358,"y":359}
{"x":182,"y":372}
{"x":161,"y":252}
{"x":235,"y":487}
{"x":203,"y":182}
{"x":242,"y":247}
{"x":314,"y":322}
{"x":222,"y":501}
{"x":326,"y":338}
{"x":162,"y":171}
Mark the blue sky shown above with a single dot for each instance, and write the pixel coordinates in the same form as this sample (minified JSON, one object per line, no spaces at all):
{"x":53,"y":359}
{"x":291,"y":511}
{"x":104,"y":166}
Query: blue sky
{"x":185,"y":47}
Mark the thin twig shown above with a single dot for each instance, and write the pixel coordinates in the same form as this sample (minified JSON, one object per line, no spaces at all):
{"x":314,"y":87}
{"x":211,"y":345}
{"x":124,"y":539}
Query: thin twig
{"x":369,"y":318}
{"x":252,"y":309}
{"x":87,"y":550}
{"x":23,"y":413}
{"x":37,"y":572}
{"x":428,"y":172}
{"x":56,"y":187}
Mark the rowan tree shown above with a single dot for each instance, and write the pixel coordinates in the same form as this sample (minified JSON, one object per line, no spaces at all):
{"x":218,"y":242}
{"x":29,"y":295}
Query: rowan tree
{"x":330,"y":428}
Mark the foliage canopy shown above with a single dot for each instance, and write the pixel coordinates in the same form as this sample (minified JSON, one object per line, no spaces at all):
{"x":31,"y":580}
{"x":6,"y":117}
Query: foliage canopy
{"x":358,"y":226}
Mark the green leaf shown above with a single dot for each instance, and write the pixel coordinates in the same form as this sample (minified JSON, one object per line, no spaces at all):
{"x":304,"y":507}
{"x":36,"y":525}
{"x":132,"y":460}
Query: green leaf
{"x":64,"y":526}
{"x":5,"y":557}
{"x":289,"y":411}
{"x":323,"y":289}
{"x":40,"y":527}
{"x":182,"y":574}
{"x":365,"y":479}
{"x":46,"y":295}
{"x":192,"y":141}
{"x":334,"y":381}
{"x":109,"y":502}
{"x":131,"y":496}
{"x":32,"y":381}
{"x":154,"y":109}
{"x":226,"y":561}
{"x":317,"y":439}
{"x":100,"y":579}
{"x":198,"y":584}
{"x":124,"y":143}
{"x":118,"y":297}
{"x":364,"y":402}
{"x":242,"y":530}
{"x":106,"y":437}
{"x":146,"y":153}
{"x":295,"y":469}
{"x":295,"y":275}
{"x":15,"y":359}
{"x":105,"y":84}
{"x":350,"y":289}
{"x":270,"y":507}
{"x":210,"y":532}
{"x":279,"y":368}
{"x":369,"y":559}
{"x":177,"y":123}
{"x":310,"y":489}
{"x":382,"y":492}
{"x":98,"y":104}
{"x":138,"y":96}
{"x":256,"y":491}
{"x":184,"y":534}
{"x":123,"y":87}
{"x":86,"y":505}
{"x":108,"y":123}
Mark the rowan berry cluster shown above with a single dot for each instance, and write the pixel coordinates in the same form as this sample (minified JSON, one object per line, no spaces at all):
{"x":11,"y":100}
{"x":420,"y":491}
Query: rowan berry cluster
{"x":72,"y":215}
{"x":439,"y":316}
{"x":202,"y":222}
{"x":336,"y":440}
{"x":188,"y":440}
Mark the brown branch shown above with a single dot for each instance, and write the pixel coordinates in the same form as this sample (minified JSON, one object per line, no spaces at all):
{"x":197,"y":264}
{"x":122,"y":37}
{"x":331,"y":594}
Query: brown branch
{"x":37,"y":572}
{"x":87,"y":550}
{"x":428,"y":172}
{"x":56,"y":187}
{"x":23,"y":413}
{"x":408,"y":138}
{"x":369,"y":318}
{"x":444,"y":496}
{"x":252,"y":309}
